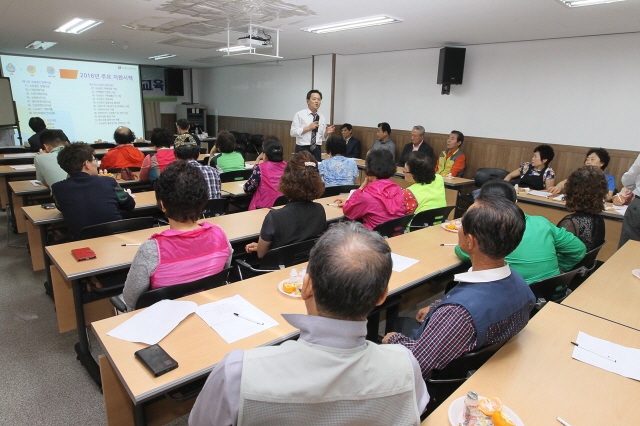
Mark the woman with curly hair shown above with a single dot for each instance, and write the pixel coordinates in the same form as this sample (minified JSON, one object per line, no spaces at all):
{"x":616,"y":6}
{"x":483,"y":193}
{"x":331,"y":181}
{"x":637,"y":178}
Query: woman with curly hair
{"x":378,"y":199}
{"x":188,"y":250}
{"x":300,"y":219}
{"x":586,"y":189}
{"x":263,"y":182}
{"x":427,"y":191}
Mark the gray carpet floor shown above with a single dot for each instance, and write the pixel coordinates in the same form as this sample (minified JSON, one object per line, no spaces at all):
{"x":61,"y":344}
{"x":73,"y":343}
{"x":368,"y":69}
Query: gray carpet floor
{"x":42,"y":382}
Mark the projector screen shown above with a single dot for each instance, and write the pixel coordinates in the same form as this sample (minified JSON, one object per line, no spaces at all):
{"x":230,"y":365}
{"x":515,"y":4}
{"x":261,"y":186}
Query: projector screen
{"x":87,"y":100}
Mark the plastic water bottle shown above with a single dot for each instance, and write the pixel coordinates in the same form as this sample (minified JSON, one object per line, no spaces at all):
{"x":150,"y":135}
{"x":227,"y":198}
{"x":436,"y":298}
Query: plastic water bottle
{"x":470,"y":409}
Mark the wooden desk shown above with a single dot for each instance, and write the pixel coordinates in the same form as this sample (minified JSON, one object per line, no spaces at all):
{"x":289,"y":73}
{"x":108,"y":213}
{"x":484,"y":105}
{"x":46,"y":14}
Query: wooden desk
{"x":612,"y":292}
{"x":197,"y":348}
{"x":37,"y":218}
{"x":234,"y":189}
{"x":24,"y":191}
{"x":535,"y":376}
{"x":23,"y":158}
{"x":556,"y":210}
{"x":8,"y":174}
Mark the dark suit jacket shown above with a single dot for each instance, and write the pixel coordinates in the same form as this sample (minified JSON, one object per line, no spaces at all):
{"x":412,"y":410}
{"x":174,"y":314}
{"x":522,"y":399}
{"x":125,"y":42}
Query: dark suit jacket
{"x":425,"y":147}
{"x":86,"y":200}
{"x":353,"y":148}
{"x":34,"y":141}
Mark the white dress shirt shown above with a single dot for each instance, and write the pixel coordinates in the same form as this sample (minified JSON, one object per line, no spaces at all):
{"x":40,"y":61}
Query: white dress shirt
{"x":301,"y":120}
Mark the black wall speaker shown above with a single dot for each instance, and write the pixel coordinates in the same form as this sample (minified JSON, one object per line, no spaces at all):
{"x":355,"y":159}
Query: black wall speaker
{"x":451,"y":65}
{"x":173,"y":82}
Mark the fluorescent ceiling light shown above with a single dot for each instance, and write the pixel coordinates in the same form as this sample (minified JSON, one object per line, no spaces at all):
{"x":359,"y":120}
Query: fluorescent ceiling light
{"x":578,"y":3}
{"x":163,"y":56}
{"x":353,"y":24}
{"x":234,"y":49}
{"x":78,"y":25}
{"x":41,"y":45}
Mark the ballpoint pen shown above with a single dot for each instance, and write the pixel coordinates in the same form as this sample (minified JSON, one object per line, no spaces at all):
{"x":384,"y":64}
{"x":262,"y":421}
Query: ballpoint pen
{"x":247,"y":319}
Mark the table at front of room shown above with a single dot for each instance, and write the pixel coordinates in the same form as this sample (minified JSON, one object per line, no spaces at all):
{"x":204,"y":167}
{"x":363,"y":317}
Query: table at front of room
{"x":74,"y":310}
{"x":556,"y":210}
{"x":612,"y":292}
{"x":197,"y":348}
{"x":536,"y":377}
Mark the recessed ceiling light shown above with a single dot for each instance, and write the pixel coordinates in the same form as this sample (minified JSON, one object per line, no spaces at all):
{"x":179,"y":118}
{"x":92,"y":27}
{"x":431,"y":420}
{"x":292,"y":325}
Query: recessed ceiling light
{"x":578,"y":3}
{"x":352,"y":24}
{"x":164,"y":56}
{"x":234,"y":49}
{"x":78,"y":25}
{"x":41,"y":45}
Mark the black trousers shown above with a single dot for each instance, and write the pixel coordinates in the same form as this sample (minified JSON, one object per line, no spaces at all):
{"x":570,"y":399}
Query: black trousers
{"x":317,"y":153}
{"x":631,"y":223}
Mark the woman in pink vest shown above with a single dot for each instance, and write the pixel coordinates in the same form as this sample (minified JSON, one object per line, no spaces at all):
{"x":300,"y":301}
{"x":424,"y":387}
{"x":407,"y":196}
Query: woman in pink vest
{"x":263,"y":182}
{"x":188,"y":250}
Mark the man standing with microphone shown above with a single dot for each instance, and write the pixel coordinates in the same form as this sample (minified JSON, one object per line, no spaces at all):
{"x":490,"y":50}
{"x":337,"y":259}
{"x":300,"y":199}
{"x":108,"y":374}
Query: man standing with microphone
{"x":309,"y":127}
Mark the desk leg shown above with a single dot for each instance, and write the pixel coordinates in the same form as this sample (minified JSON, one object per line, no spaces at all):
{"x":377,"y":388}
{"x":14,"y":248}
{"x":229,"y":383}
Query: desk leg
{"x":82,"y":347}
{"x":117,"y":403}
{"x":48,"y":284}
{"x":36,"y":246}
{"x":18,"y":203}
{"x":4,"y":197}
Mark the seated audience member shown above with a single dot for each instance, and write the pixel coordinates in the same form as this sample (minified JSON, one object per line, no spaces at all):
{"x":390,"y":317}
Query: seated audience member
{"x":338,"y":169}
{"x":189,"y":151}
{"x":585,"y":190}
{"x":596,"y":157}
{"x":353,"y":144}
{"x":384,"y":140}
{"x":228,"y":159}
{"x":183,"y":132}
{"x":378,"y":199}
{"x":84,"y":198}
{"x":417,"y":144}
{"x":37,"y":125}
{"x":452,"y":160}
{"x":154,"y":164}
{"x":427,"y":191}
{"x":630,"y":194}
{"x":263,"y":182}
{"x":458,"y":323}
{"x":345,"y":380}
{"x":545,"y":248}
{"x":48,"y":171}
{"x":300,"y":219}
{"x":124,"y":154}
{"x":187,"y":251}
{"x":536,"y":174}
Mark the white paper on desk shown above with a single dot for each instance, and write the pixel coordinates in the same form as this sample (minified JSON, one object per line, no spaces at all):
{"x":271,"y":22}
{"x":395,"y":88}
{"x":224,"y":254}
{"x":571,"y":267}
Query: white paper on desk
{"x":559,"y":197}
{"x":36,"y":183}
{"x":23,"y":167}
{"x":219,"y":316}
{"x":249,"y":166}
{"x":540,"y":194}
{"x":627,"y":360}
{"x":400,"y":263}
{"x":241,"y":185}
{"x":620,"y":209}
{"x":154,"y":323}
{"x":25,"y":155}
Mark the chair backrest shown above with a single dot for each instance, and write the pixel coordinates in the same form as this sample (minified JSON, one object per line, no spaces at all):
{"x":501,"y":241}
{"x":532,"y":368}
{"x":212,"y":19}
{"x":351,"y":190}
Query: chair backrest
{"x":234,"y":176}
{"x":256,"y":142}
{"x":102,"y":145}
{"x":430,"y":217}
{"x":280,"y":201}
{"x":171,"y":292}
{"x":485,"y":174}
{"x":285,"y":256}
{"x":394,"y":227}
{"x":554,"y":289}
{"x":215,"y":207}
{"x":118,"y":170}
{"x":141,"y":144}
{"x":14,"y":150}
{"x":589,"y":259}
{"x":334,"y":191}
{"x":116,"y":227}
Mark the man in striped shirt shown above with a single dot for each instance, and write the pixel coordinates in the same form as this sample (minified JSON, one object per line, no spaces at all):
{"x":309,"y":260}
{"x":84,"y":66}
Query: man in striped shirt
{"x":189,"y":151}
{"x":489,"y":304}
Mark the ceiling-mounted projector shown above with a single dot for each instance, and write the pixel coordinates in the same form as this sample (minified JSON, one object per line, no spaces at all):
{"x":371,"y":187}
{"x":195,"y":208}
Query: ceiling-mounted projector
{"x":255,"y":42}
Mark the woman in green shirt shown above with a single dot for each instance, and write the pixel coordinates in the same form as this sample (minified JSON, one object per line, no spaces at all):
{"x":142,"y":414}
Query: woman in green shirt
{"x":427,"y":191}
{"x":229,"y":160}
{"x":544,"y":249}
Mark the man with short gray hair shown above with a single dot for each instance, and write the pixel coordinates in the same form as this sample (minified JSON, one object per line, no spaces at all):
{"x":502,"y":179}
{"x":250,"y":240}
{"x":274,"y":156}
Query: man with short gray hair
{"x":417,"y":144}
{"x":331,"y":371}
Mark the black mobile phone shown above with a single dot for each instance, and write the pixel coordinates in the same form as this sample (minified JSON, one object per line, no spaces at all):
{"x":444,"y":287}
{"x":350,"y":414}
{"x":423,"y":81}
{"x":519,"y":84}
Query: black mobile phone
{"x":48,"y":206}
{"x":156,"y":360}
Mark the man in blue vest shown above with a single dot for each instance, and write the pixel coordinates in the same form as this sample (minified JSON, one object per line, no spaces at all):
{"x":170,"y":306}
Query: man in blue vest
{"x":491,"y":303}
